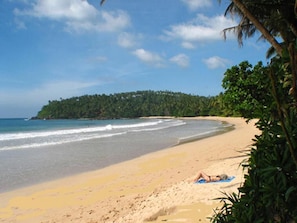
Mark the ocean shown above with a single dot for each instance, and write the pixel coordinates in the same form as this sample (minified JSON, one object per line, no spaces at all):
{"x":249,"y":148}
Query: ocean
{"x":35,"y":151}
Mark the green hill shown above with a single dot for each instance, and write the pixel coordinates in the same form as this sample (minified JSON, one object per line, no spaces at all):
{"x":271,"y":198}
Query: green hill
{"x":130,"y":105}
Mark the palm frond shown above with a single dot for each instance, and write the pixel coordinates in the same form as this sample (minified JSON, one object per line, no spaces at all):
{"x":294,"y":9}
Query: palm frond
{"x":270,"y":52}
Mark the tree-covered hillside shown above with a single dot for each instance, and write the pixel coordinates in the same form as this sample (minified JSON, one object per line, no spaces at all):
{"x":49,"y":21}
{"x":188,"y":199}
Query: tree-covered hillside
{"x":130,"y":105}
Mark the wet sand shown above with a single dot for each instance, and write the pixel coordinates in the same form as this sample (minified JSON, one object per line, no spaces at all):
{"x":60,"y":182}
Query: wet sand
{"x":156,"y":187}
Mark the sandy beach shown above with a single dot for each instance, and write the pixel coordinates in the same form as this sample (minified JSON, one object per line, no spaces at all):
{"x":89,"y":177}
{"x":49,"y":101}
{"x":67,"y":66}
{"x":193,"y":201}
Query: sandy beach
{"x":156,"y":187}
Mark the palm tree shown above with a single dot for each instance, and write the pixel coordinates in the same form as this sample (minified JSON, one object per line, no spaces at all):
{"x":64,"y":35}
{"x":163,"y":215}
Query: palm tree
{"x":270,"y":18}
{"x":273,"y":19}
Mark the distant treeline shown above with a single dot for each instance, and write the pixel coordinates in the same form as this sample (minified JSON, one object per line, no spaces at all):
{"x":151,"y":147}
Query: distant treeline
{"x":132,"y":105}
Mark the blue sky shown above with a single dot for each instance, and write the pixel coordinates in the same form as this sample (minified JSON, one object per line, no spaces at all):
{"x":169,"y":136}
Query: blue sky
{"x":52,"y":49}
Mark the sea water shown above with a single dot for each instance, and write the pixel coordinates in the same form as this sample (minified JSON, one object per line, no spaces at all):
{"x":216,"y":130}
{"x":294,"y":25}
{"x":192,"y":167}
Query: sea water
{"x":35,"y":151}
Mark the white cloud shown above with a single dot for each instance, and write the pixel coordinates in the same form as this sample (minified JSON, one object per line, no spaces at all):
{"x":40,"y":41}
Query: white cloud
{"x":149,"y":57}
{"x":128,"y":40}
{"x":56,"y":9}
{"x":77,"y":15}
{"x":181,"y":60}
{"x":188,"y":45}
{"x":201,"y":29}
{"x":216,"y":62}
{"x":195,"y":4}
{"x":113,"y":21}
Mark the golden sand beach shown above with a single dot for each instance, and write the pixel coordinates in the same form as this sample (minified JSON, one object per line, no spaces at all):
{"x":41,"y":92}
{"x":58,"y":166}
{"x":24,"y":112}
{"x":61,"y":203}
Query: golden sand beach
{"x":156,"y":187}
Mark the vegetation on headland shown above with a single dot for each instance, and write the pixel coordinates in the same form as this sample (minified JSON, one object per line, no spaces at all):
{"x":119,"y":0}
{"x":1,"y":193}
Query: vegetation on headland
{"x":132,"y":105}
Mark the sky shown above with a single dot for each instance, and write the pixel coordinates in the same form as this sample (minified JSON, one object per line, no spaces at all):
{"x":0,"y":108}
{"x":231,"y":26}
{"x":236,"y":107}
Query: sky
{"x":53,"y":49}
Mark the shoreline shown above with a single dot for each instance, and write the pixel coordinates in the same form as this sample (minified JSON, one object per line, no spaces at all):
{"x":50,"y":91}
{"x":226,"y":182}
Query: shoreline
{"x":138,"y":189}
{"x":29,"y":166}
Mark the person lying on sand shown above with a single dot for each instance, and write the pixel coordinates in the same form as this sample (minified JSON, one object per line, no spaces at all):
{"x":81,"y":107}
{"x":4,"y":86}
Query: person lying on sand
{"x":209,"y":178}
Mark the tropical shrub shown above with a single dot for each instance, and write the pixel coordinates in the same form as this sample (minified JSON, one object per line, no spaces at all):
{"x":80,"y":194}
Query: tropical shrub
{"x":269,"y":193}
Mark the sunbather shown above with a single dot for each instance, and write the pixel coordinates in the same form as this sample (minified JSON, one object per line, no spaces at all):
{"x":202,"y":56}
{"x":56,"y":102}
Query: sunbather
{"x":209,"y":178}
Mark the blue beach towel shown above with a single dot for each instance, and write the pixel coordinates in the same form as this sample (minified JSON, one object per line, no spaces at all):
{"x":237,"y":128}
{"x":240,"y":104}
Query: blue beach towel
{"x":202,"y":181}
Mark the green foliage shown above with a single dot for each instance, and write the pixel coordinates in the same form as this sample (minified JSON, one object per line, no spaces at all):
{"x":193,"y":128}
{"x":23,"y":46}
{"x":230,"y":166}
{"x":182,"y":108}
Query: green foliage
{"x":269,"y":193}
{"x":131,"y":105}
{"x":246,"y":90}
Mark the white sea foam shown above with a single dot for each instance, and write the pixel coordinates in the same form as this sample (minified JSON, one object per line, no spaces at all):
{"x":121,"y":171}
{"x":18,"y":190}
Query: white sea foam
{"x":22,"y":140}
{"x":109,"y":127}
{"x":160,"y":127}
{"x":58,"y":142}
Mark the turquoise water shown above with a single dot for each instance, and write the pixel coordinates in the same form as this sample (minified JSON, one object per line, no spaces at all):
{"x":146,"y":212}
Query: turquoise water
{"x":34,"y":151}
